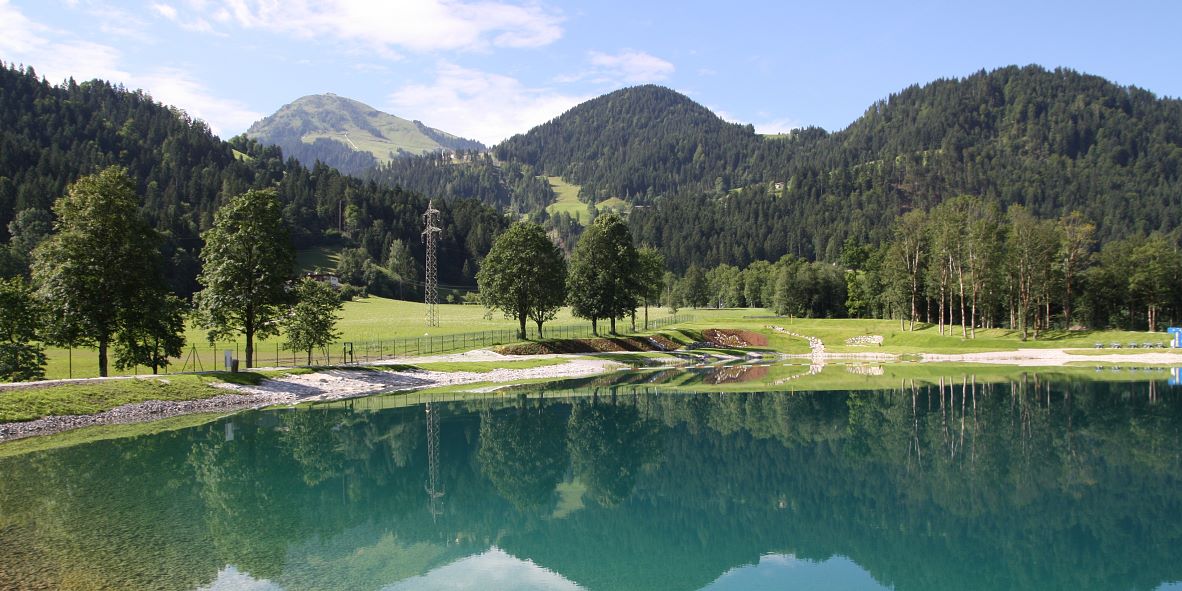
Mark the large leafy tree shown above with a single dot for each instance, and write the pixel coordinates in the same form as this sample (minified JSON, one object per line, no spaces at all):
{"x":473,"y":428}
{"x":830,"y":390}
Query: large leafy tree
{"x":313,"y":319}
{"x":650,"y":278}
{"x":20,"y":357}
{"x":155,"y":334}
{"x":603,"y":280}
{"x":95,"y":272}
{"x":524,"y":276}
{"x":245,"y":266}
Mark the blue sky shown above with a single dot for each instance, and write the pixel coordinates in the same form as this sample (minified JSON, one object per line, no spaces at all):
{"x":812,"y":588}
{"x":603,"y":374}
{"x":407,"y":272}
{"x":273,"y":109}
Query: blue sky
{"x":487,"y":69}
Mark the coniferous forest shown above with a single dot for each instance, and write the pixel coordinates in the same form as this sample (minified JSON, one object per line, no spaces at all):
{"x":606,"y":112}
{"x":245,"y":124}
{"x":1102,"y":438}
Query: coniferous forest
{"x":52,"y":135}
{"x":1052,"y":150}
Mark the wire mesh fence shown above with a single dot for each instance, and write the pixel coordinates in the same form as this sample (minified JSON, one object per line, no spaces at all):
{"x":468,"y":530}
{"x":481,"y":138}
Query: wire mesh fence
{"x":271,"y":354}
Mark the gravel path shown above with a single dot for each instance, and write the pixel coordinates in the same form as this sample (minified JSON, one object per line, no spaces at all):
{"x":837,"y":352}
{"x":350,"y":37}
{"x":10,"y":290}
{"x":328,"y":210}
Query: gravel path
{"x":330,"y":384}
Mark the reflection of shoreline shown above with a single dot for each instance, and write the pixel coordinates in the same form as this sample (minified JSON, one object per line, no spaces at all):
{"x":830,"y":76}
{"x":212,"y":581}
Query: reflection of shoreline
{"x":1056,"y":358}
{"x":319,"y":386}
{"x":1018,"y":358}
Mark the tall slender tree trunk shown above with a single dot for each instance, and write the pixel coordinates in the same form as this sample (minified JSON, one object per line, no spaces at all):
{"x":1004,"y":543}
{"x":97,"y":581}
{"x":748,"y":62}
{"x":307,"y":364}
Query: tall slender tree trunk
{"x":964,"y":329}
{"x":613,"y":328}
{"x":102,"y":353}
{"x":595,"y":326}
{"x":249,"y":330}
{"x":521,"y":326}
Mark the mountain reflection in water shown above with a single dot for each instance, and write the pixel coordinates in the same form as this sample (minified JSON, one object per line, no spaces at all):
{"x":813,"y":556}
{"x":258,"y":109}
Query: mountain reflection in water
{"x":1029,"y":484}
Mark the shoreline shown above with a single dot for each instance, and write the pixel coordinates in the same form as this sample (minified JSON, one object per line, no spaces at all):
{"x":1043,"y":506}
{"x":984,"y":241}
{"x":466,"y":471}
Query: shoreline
{"x":324,"y":385}
{"x":341,"y":383}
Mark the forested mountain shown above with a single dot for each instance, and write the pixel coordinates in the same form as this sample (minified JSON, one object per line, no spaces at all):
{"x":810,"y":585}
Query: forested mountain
{"x":1054,"y":141}
{"x":51,"y":135}
{"x":637,"y":144}
{"x":349,"y":135}
{"x":509,"y":186}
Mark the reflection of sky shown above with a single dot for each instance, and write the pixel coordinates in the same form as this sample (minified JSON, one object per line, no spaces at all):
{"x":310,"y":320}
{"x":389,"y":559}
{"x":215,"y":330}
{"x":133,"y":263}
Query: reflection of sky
{"x":780,"y":571}
{"x":493,"y":570}
{"x":1175,"y":586}
{"x":231,"y":579}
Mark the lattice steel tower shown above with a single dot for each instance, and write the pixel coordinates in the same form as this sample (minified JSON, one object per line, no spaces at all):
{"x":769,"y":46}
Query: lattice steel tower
{"x":433,"y":485}
{"x":431,"y":289}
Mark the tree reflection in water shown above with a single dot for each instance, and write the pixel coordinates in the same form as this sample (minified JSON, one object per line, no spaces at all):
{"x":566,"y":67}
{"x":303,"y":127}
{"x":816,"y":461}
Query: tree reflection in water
{"x":1028,"y":484}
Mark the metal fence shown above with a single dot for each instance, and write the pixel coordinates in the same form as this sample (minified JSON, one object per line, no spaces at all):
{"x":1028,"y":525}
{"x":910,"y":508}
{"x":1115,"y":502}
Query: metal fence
{"x":207,"y":357}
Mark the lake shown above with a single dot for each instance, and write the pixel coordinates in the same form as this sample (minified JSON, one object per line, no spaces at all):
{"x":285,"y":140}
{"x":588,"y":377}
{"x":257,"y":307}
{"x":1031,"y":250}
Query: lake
{"x":666,"y":480}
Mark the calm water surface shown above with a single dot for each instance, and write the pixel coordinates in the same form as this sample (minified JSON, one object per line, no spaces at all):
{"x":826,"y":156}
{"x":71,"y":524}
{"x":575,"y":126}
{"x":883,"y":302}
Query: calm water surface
{"x":627,"y":483}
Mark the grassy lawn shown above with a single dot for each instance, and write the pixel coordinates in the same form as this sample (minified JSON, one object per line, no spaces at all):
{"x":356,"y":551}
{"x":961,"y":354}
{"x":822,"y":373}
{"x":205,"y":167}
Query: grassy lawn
{"x":365,"y":322}
{"x":925,"y":339}
{"x":324,"y":258}
{"x":372,"y":324}
{"x":567,"y":199}
{"x":98,"y":396}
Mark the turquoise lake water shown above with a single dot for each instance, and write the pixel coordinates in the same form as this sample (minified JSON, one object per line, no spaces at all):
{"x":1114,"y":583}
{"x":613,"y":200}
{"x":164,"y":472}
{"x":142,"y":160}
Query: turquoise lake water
{"x":624,"y":483}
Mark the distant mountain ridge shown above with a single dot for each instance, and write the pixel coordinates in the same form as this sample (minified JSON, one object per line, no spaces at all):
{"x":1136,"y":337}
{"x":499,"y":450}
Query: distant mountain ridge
{"x":636,"y":143}
{"x":1054,"y":141}
{"x":350,"y":135}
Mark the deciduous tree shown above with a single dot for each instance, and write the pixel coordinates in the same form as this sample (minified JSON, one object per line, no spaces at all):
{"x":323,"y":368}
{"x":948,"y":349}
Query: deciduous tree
{"x":21,"y":357}
{"x":524,"y":276}
{"x":312,"y":322}
{"x":603,"y":276}
{"x":246,"y":263}
{"x":94,"y":273}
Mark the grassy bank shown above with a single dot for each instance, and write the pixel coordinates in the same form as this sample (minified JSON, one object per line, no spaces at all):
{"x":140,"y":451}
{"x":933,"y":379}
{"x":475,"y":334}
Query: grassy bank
{"x":925,"y":339}
{"x":94,"y":396}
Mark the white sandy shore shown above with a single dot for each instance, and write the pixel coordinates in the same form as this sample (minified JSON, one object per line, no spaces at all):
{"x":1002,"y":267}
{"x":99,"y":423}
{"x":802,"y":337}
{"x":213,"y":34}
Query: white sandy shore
{"x":329,"y":384}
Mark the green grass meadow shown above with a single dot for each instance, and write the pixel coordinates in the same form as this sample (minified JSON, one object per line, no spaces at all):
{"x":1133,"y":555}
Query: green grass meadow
{"x":567,"y":199}
{"x":375,"y":325}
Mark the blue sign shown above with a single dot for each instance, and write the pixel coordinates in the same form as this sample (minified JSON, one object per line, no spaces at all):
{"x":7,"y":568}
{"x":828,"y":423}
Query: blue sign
{"x":1174,"y":330}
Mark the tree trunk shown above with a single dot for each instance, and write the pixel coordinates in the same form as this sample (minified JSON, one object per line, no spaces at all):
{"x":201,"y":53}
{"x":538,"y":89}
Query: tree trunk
{"x":521,"y":325}
{"x":249,"y":346}
{"x":1067,"y":303}
{"x":595,"y":326}
{"x":964,"y":327}
{"x":539,"y":322}
{"x":646,"y":314}
{"x":613,"y":321}
{"x":309,"y":355}
{"x":102,"y":353}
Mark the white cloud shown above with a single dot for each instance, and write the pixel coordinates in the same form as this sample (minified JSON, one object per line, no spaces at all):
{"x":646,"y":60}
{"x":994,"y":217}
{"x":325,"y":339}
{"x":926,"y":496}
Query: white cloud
{"x":197,"y":24}
{"x":165,"y":11}
{"x":626,"y":67}
{"x":26,"y":41}
{"x":470,"y":103}
{"x":57,"y":56}
{"x":173,"y":86}
{"x":631,"y":66}
{"x":387,"y":27}
{"x":776,"y":126}
{"x":765,"y":126}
